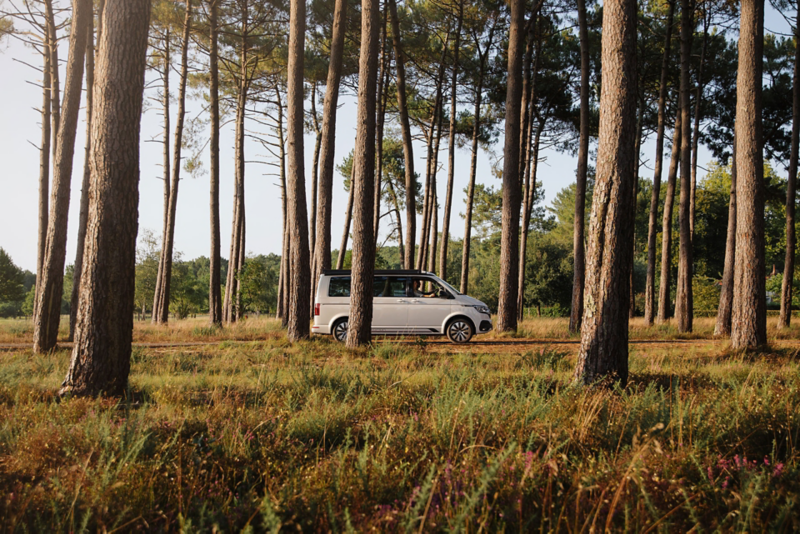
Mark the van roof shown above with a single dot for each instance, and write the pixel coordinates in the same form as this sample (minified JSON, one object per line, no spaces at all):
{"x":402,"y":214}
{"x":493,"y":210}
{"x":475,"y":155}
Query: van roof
{"x":346,"y":272}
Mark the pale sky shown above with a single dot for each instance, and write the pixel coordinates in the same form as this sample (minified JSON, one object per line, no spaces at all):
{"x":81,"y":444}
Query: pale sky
{"x":20,"y":133}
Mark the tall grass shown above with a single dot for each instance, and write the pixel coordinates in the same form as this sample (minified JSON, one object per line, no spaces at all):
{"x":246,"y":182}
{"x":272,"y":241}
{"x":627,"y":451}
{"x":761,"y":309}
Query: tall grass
{"x":268,"y":436}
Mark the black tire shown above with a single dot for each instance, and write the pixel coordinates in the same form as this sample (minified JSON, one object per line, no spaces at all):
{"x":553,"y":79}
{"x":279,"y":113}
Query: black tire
{"x":339,"y":330}
{"x":460,"y":330}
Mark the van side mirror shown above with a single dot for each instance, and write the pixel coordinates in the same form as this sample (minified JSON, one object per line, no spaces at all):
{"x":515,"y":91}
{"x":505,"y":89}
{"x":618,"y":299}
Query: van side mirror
{"x":442,"y":294}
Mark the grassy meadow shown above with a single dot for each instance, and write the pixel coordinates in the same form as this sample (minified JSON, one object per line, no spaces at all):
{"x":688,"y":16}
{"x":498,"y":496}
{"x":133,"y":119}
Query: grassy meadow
{"x":261,"y":435}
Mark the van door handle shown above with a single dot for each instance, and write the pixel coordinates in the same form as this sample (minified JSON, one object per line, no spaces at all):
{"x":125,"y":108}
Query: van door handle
{"x":415,"y":301}
{"x":402,"y":300}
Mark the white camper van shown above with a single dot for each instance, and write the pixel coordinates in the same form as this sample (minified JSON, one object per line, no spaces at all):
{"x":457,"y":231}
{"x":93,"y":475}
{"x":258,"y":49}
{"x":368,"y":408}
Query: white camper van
{"x":405,"y":302}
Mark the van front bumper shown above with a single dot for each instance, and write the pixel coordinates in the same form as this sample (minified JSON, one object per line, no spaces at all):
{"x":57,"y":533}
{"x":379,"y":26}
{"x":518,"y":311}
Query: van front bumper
{"x":485,"y":326}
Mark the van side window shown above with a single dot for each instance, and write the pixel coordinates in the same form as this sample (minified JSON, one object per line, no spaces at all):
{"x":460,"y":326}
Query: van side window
{"x":380,"y":286}
{"x":339,"y":287}
{"x":397,"y":288}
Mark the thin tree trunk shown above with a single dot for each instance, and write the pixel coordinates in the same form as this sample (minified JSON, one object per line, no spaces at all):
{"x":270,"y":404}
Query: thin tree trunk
{"x":722,"y":326}
{"x":635,"y":205}
{"x":408,"y":150}
{"x":84,"y":208}
{"x":359,"y":331}
{"x":604,"y":333}
{"x":383,"y":78}
{"x":578,"y":251}
{"x":283,"y":311}
{"x":664,"y":303}
{"x":396,"y":204}
{"x":650,"y":286}
{"x":791,"y":187}
{"x":684,"y":305}
{"x":168,"y":246}
{"x":312,"y":224}
{"x":51,"y":285}
{"x":215,"y":267}
{"x":527,"y":208}
{"x":509,"y":249}
{"x":55,"y":84}
{"x":299,"y":273}
{"x":433,"y":227}
{"x":696,"y":128}
{"x":44,"y":165}
{"x":322,"y":253}
{"x":451,"y":151}
{"x":347,"y":218}
{"x":167,"y":166}
{"x":749,"y":321}
{"x":100,"y":360}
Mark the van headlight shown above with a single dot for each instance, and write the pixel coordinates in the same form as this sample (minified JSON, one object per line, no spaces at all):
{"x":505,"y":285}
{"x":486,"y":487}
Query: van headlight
{"x":483,"y":309}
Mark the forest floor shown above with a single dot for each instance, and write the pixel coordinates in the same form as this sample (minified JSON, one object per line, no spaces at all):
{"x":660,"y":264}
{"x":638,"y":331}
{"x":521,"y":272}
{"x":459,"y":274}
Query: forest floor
{"x":249,"y":432}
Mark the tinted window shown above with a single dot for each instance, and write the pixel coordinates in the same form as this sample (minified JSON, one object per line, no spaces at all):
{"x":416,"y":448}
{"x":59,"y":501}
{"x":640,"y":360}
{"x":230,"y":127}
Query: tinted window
{"x":380,"y":286}
{"x":397,"y":288}
{"x":339,"y":287}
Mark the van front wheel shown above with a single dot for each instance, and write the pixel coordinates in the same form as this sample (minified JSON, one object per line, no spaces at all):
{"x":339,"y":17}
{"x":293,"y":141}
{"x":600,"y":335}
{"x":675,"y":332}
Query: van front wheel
{"x":460,"y":330}
{"x":340,"y":330}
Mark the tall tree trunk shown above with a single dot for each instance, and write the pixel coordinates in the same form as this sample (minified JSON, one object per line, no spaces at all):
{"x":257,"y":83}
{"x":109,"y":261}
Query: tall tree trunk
{"x":635,"y":204}
{"x":283,"y":285}
{"x":359,"y":331}
{"x":396,"y":206}
{"x":578,"y":251}
{"x":405,"y":127}
{"x":433,"y":227}
{"x":527,"y":208}
{"x":604,"y":333}
{"x":722,"y":326}
{"x":509,"y":249}
{"x":51,"y":285}
{"x":299,"y":272}
{"x":347,"y":218}
{"x":55,"y":84}
{"x":791,"y":197}
{"x":215,"y":264}
{"x":650,"y":286}
{"x":100,"y":360}
{"x":168,"y":246}
{"x":451,"y":150}
{"x":473,"y":170}
{"x":696,"y":128}
{"x":684,"y":305}
{"x":44,"y":164}
{"x":749,"y":322}
{"x":383,"y":81}
{"x":166,"y":167}
{"x":312,"y":224}
{"x":664,"y":303}
{"x":322,"y":253}
{"x":83,"y":216}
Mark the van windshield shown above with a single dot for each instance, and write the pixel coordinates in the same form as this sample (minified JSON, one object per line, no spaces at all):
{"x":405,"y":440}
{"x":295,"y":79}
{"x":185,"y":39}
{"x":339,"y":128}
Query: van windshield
{"x":448,"y":286}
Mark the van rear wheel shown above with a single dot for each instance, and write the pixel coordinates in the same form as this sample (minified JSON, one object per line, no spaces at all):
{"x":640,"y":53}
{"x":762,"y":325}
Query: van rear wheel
{"x":460,"y":330}
{"x":340,"y":330}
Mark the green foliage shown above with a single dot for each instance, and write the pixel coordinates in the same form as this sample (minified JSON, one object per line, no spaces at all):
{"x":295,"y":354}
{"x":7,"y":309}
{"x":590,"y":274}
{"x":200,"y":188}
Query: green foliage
{"x":259,"y":283}
{"x":705,"y":293}
{"x":12,"y":289}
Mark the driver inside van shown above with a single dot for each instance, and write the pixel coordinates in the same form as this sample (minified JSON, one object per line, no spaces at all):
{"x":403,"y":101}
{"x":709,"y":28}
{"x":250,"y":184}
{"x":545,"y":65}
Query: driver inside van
{"x":416,"y":289}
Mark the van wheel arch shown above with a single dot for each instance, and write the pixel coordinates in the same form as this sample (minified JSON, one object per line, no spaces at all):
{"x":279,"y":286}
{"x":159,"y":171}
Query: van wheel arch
{"x":459,"y":334}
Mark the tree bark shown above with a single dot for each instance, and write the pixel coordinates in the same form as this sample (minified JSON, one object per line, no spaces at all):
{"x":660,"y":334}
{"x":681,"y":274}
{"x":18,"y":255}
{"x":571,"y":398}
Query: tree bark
{"x":696,"y":129}
{"x":451,"y":150}
{"x":635,"y":204}
{"x":749,"y":321}
{"x":791,"y":188}
{"x":55,"y":84}
{"x":322,"y":251}
{"x":51,"y":285}
{"x":725,"y":310}
{"x":84,"y":208}
{"x":509,"y":249}
{"x":312,"y":224}
{"x":100,"y":360}
{"x":664,"y":303}
{"x":299,"y":272}
{"x":408,"y":150}
{"x":44,"y":164}
{"x":167,"y":168}
{"x":161,"y":311}
{"x":383,"y":81}
{"x":215,"y":264}
{"x":347,"y":218}
{"x":527,"y":208}
{"x":359,"y":330}
{"x":578,"y":251}
{"x":684,"y":304}
{"x":604,"y":334}
{"x":650,"y":287}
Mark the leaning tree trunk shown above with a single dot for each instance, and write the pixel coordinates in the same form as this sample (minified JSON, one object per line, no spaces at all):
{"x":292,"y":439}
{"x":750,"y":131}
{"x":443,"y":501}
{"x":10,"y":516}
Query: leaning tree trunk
{"x":788,"y":266}
{"x":299,"y":273}
{"x":383,"y":84}
{"x":652,"y":230}
{"x":44,"y":164}
{"x":725,"y":310}
{"x":100,"y":360}
{"x":83,"y":215}
{"x":604,"y":334}
{"x":51,"y":285}
{"x":578,"y":251}
{"x":166,"y":168}
{"x":749,"y":322}
{"x":696,"y":128}
{"x":215,"y":264}
{"x":322,"y":253}
{"x":161,"y":311}
{"x":451,"y":152}
{"x":359,"y":329}
{"x":509,"y":242}
{"x":684,"y":305}
{"x":408,"y":150}
{"x":666,"y":227}
{"x":348,"y":216}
